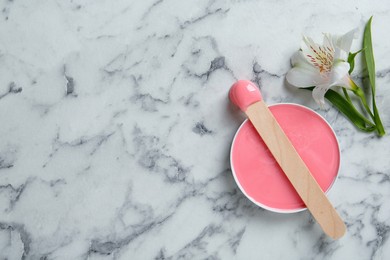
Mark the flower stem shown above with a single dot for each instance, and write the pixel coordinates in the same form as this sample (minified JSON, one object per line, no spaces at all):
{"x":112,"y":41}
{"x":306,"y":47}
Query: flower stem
{"x":348,"y":99}
{"x":374,"y":115}
{"x":359,"y":93}
{"x":346,"y":95}
{"x":349,"y":110}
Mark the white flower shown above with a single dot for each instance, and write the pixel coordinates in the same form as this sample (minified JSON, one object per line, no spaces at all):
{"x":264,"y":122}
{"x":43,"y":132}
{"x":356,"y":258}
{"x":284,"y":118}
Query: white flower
{"x":322,"y":66}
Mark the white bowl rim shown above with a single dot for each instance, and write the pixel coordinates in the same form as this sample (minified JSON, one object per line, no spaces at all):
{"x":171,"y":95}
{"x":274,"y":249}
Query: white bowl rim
{"x":278,"y":210}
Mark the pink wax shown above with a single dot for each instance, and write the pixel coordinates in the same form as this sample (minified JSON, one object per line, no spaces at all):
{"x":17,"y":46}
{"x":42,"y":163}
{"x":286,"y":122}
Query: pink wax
{"x":259,"y":176}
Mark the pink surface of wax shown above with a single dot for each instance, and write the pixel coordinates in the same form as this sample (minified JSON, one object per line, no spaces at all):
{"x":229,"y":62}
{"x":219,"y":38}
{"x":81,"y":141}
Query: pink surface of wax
{"x":258,"y":174}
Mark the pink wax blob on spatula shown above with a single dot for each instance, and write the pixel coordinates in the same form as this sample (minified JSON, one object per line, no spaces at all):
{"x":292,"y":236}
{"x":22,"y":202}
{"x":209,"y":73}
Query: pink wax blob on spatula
{"x":285,"y":158}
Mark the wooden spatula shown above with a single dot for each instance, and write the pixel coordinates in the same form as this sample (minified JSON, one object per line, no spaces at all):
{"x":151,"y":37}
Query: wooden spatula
{"x":248,"y":98}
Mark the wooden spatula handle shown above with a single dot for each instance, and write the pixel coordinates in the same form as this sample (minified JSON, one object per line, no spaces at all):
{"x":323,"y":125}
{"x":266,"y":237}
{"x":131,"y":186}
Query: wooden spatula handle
{"x":295,"y":169}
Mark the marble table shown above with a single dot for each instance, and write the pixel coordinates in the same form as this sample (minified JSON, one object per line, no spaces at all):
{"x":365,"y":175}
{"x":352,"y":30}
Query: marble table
{"x":115,"y":130}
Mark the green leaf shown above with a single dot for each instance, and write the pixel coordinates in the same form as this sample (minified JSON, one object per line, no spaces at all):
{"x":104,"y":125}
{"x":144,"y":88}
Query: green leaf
{"x":370,"y":64}
{"x":369,"y":54}
{"x":348,"y":110}
{"x":351,"y":60}
{"x":378,"y":122}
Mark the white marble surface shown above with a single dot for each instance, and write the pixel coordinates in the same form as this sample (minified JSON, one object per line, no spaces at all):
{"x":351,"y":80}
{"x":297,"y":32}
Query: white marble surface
{"x":115,"y":130}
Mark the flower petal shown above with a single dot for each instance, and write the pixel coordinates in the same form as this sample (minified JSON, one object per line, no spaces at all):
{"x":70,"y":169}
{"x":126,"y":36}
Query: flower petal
{"x":343,"y":44}
{"x":309,"y":47}
{"x":327,"y":42}
{"x":304,"y":77}
{"x":345,"y":82}
{"x":299,"y":60}
{"x":319,"y":93}
{"x":339,"y":71}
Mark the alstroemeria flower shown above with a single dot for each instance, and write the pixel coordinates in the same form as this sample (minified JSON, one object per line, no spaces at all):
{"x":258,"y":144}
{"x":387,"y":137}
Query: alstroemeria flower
{"x":322,"y":66}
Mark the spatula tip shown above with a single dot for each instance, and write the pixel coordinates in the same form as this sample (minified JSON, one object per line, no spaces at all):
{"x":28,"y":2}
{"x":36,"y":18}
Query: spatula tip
{"x":244,"y":93}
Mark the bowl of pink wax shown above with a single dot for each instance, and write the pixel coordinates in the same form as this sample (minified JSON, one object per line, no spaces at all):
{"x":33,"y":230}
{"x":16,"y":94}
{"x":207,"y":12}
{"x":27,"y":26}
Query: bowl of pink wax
{"x":259,"y":176}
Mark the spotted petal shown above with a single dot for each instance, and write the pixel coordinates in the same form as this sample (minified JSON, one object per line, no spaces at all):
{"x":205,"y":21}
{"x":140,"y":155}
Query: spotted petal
{"x":309,"y":48}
